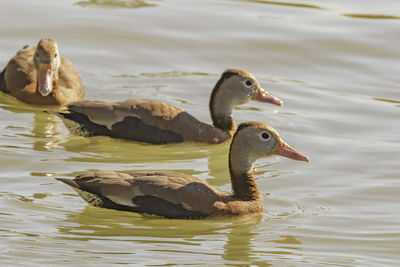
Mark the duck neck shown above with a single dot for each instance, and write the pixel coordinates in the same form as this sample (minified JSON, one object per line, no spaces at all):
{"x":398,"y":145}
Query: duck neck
{"x":244,"y":186}
{"x":221,"y":107}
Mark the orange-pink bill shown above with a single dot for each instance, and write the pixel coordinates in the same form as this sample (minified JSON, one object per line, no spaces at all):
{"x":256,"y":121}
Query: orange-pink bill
{"x":283,"y":149}
{"x":264,"y":96}
{"x":45,"y":79}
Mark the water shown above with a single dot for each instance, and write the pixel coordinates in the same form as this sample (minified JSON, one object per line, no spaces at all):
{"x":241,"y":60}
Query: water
{"x":335,"y":66}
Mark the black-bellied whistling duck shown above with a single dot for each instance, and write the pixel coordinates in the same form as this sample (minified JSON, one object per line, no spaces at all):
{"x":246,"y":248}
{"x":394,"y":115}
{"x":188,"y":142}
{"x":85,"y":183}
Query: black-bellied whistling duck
{"x":41,"y":76}
{"x":156,"y":122}
{"x":178,"y":195}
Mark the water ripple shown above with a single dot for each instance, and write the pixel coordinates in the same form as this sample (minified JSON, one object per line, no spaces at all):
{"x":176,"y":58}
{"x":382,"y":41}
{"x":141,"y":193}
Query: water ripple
{"x":114,"y":3}
{"x":371,"y":16}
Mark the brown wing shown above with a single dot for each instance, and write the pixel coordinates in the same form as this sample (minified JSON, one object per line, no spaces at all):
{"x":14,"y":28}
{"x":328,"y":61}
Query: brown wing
{"x":69,"y":85}
{"x":143,"y":120}
{"x":168,"y":194}
{"x":20,"y":74}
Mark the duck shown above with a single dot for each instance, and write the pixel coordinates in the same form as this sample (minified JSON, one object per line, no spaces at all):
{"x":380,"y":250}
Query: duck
{"x":177,"y":195}
{"x":41,"y":76}
{"x":156,"y":122}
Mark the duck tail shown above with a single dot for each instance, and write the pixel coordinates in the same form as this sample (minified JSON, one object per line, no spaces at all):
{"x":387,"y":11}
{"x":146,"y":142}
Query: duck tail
{"x":89,"y":197}
{"x":69,"y":182}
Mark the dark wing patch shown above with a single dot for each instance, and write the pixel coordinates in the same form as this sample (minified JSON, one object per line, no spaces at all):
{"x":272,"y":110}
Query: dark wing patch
{"x":89,"y":188}
{"x":142,"y":204}
{"x":135,"y":129}
{"x":158,"y":206}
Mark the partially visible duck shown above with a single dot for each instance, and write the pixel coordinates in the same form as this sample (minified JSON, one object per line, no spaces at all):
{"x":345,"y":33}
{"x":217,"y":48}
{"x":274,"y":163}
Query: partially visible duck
{"x":156,"y":122}
{"x":178,"y":195}
{"x":41,"y":76}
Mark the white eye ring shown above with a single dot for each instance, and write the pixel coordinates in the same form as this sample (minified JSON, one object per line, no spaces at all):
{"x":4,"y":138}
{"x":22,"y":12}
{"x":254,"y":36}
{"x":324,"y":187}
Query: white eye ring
{"x":248,"y":83}
{"x":265,"y":136}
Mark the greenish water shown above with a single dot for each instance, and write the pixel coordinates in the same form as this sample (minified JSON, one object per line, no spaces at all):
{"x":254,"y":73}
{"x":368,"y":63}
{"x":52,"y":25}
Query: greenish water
{"x":335,"y":64}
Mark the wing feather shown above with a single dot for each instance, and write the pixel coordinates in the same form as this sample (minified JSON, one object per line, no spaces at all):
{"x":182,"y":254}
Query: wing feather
{"x":181,"y":189}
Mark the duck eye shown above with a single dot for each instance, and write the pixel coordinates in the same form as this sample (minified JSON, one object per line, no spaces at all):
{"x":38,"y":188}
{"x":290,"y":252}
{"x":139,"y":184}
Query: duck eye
{"x":265,"y":136}
{"x":55,"y":55}
{"x":37,"y":55}
{"x":248,"y":83}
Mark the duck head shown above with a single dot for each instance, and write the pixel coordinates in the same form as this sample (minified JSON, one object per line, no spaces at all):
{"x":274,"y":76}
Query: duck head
{"x":236,"y":87}
{"x":47,"y":62}
{"x":254,"y":140}
{"x":244,"y":87}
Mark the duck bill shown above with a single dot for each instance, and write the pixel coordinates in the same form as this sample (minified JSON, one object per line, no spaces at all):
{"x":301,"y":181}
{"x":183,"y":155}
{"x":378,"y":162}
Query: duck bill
{"x":264,"y":96}
{"x":45,"y":79}
{"x":283,"y":149}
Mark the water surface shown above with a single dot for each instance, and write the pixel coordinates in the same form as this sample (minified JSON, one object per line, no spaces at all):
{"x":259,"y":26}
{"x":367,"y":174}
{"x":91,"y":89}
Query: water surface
{"x":335,"y":66}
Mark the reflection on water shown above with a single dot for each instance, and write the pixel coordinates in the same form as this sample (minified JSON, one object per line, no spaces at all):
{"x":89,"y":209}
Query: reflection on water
{"x":291,"y":4}
{"x":303,"y":5}
{"x":387,"y":100}
{"x":46,"y":132}
{"x":98,"y":222}
{"x":238,"y":247}
{"x":7,"y":195}
{"x":171,"y":235}
{"x":371,"y":16}
{"x":114,"y":3}
{"x":290,"y":242}
{"x":95,"y":223}
{"x":173,"y":73}
{"x":334,"y":63}
{"x":108,"y":150}
{"x":10,"y":103}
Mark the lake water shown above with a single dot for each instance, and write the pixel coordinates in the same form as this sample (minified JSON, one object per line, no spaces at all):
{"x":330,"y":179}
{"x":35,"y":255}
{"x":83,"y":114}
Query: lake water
{"x":335,"y":64}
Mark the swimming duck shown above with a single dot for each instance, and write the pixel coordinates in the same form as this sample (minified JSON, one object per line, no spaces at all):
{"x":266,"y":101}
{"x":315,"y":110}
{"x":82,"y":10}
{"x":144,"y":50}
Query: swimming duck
{"x":41,"y":76}
{"x":157,"y":122}
{"x":179,"y":195}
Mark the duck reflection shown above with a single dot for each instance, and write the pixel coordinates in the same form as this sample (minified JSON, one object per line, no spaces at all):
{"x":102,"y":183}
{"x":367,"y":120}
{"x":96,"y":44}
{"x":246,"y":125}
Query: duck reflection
{"x":242,"y":245}
{"x":95,"y":223}
{"x":238,"y":247}
{"x":46,"y":132}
